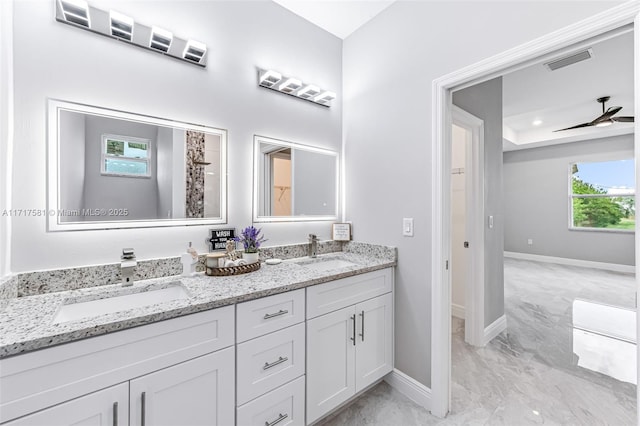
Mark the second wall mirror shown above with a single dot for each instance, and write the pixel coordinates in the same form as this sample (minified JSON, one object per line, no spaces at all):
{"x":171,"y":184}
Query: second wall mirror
{"x":294,"y":182}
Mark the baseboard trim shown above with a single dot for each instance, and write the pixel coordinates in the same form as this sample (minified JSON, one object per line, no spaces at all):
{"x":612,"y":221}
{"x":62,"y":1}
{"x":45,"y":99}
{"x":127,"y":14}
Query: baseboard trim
{"x":615,"y":267}
{"x":495,"y":328}
{"x":457,"y":311}
{"x":410,"y":387}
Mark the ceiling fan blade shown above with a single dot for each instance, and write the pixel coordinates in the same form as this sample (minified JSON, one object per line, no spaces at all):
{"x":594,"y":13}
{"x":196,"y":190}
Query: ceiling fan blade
{"x":576,"y":127}
{"x":623,"y":119}
{"x":607,"y":115}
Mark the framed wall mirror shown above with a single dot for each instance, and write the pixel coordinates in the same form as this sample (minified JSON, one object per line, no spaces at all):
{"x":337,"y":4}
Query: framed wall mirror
{"x":294,"y":182}
{"x":113,"y":169}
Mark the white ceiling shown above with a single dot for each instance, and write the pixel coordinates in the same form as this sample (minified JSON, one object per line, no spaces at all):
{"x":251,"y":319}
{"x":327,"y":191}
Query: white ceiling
{"x":339,"y":17}
{"x":567,"y":96}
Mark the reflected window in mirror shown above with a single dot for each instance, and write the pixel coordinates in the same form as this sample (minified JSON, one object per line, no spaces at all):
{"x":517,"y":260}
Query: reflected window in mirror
{"x":294,"y":182}
{"x":114,"y":169}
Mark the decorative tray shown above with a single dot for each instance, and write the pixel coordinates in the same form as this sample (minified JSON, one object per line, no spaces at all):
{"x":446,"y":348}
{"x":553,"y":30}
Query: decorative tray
{"x":232,"y":270}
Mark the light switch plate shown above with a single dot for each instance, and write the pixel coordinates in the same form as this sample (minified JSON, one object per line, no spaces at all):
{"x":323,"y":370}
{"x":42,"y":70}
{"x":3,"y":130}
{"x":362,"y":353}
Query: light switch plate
{"x":407,"y":227}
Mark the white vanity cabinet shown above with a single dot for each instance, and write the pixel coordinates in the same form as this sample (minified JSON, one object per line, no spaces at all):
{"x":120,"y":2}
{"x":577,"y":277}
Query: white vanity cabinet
{"x":183,"y":366}
{"x":349,"y":341}
{"x":270,"y":373}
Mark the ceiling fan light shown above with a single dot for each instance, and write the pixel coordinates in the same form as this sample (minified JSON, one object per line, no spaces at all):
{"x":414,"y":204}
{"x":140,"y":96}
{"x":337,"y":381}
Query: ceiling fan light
{"x":604,"y":123}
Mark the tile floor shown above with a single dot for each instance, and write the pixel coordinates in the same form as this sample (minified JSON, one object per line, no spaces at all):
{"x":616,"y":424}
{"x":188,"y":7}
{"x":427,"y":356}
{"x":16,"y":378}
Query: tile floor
{"x":529,"y":374}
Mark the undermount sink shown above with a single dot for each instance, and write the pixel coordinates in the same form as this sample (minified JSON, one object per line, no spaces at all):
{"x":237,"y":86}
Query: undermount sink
{"x":118,"y":303}
{"x":323,"y":265}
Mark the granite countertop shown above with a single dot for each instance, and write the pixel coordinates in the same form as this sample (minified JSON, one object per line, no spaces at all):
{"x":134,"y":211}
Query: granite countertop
{"x":26,"y":323}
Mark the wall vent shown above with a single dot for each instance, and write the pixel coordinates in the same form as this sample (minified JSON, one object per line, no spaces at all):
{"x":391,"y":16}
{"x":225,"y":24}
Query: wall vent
{"x":565,"y":61}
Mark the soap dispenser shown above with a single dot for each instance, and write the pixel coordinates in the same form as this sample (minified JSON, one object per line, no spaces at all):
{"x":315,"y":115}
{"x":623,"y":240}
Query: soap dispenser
{"x":189,"y":261}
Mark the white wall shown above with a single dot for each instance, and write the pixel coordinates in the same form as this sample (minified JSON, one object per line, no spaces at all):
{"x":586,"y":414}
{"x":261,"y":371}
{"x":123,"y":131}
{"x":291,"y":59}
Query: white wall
{"x":389,"y":65}
{"x":6,"y":132}
{"x":53,"y":60}
{"x":536,"y":183}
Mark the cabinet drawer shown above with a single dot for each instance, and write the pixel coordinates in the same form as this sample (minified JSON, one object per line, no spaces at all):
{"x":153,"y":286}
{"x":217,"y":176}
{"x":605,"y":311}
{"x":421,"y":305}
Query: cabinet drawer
{"x":283,"y":406}
{"x":261,"y":316}
{"x":334,"y":295}
{"x":270,"y":361}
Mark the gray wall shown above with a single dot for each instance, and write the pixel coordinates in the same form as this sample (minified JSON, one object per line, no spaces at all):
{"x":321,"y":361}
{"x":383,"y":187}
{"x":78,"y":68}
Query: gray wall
{"x":53,"y":60}
{"x":314,"y":183}
{"x":389,"y":66}
{"x":485,"y":102}
{"x":72,"y":164}
{"x":537,"y":206}
{"x":138,"y":195}
{"x":164,"y":163}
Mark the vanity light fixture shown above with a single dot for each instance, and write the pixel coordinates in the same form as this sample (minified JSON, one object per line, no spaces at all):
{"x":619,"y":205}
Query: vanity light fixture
{"x":309,"y":91}
{"x":160,"y":39}
{"x":117,"y":25}
{"x":194,"y":51}
{"x":121,"y":25}
{"x":76,"y":12}
{"x":325,"y":97}
{"x":269,"y":78}
{"x":291,"y":85}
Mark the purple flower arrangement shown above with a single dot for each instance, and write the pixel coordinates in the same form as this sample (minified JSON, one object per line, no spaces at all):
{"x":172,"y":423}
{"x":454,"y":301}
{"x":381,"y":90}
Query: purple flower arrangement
{"x":251,"y":239}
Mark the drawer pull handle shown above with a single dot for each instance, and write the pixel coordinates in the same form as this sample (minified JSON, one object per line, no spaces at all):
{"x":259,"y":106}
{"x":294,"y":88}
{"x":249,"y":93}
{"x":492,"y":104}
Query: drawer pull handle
{"x":353,"y":337}
{"x":277,"y":314}
{"x":362,"y":325}
{"x":143,"y":419}
{"x":280,"y":360}
{"x":115,"y":414}
{"x":280,"y":418}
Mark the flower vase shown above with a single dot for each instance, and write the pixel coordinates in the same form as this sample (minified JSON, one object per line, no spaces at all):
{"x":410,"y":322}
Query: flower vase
{"x":251,"y":257}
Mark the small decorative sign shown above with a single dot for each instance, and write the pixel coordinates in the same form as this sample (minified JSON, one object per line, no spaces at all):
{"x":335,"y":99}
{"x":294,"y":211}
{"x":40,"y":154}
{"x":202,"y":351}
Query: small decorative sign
{"x":341,"y":232}
{"x":218,"y":238}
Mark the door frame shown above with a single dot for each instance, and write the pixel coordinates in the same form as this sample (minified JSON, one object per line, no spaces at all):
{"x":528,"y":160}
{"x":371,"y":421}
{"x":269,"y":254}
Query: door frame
{"x":441,"y":117}
{"x":474,"y":225}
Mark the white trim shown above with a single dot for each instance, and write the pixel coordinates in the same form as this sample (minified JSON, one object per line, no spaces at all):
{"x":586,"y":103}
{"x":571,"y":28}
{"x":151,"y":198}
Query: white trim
{"x":6,"y":131}
{"x":474,"y":226}
{"x":458,"y":311}
{"x":495,"y":328}
{"x":487,"y":69}
{"x":615,"y":267}
{"x":636,"y":144}
{"x":409,"y":387}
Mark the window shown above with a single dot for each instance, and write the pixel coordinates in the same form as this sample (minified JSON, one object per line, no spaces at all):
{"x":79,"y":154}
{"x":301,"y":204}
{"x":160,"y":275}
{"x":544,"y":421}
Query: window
{"x":603,"y":195}
{"x":125,"y":156}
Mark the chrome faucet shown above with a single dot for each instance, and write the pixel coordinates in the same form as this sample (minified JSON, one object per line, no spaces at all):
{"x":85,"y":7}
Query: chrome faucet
{"x":127,"y":266}
{"x":313,"y":245}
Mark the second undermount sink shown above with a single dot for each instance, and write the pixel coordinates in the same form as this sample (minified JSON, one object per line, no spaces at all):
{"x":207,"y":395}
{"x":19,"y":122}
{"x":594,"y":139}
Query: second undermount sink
{"x":329,"y":264}
{"x":118,"y":303}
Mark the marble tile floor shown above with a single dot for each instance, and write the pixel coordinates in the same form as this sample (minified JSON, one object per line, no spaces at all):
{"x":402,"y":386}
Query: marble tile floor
{"x":513,"y":380}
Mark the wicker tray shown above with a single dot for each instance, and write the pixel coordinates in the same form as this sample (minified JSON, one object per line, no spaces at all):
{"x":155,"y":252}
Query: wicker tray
{"x":233,"y":270}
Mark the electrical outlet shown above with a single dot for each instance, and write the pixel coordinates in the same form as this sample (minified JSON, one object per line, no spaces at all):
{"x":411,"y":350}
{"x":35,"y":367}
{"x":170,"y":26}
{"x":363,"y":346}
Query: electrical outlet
{"x":407,"y":227}
{"x":530,"y":242}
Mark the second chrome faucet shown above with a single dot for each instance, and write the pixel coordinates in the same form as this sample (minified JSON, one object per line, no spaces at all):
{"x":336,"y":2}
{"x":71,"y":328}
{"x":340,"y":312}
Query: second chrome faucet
{"x":313,"y":245}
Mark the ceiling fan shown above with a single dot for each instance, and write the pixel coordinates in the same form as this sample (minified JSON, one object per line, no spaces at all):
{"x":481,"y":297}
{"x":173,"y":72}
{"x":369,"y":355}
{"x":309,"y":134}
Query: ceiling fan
{"x":606,"y":119}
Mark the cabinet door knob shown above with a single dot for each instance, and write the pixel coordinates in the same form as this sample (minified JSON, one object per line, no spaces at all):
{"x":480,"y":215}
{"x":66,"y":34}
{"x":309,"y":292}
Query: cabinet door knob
{"x":280,"y":360}
{"x":143,"y":417}
{"x":277,"y":314}
{"x":353,"y":337}
{"x":115,"y":413}
{"x":280,"y":418}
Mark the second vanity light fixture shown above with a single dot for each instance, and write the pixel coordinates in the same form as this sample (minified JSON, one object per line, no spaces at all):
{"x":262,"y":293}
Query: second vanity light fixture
{"x":273,"y":80}
{"x":114,"y":24}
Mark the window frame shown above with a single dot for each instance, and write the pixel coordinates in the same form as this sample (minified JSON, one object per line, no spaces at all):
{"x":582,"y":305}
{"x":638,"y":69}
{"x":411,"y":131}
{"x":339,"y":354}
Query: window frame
{"x":104,"y":156}
{"x":572,"y":227}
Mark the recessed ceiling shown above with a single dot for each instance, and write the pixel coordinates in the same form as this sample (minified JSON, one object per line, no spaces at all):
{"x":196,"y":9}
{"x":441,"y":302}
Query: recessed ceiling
{"x":566,"y":97}
{"x":339,"y":17}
